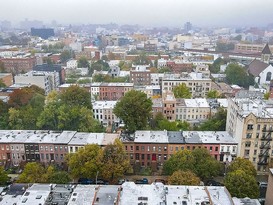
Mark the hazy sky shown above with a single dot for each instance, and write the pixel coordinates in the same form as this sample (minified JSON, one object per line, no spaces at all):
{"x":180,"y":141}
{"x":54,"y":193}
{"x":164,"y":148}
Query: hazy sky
{"x":143,"y":12}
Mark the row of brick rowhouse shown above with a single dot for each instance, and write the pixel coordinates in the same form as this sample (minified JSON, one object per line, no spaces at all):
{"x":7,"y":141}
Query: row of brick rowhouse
{"x":145,"y":148}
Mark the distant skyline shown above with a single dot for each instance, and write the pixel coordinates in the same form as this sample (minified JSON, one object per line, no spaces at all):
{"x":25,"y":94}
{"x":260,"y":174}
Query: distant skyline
{"x":172,"y":13}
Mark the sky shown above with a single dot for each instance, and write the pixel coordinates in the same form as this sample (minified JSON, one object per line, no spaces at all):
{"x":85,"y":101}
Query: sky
{"x":172,"y":13}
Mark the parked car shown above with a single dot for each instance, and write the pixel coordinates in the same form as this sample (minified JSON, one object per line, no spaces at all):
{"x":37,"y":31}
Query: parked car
{"x":85,"y":181}
{"x":142,"y":181}
{"x":213,"y":183}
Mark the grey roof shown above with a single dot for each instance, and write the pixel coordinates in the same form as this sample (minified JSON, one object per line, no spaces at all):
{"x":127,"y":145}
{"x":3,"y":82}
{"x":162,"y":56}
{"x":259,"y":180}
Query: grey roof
{"x":82,"y":195}
{"x":106,"y":195}
{"x":266,"y":49}
{"x":256,"y":67}
{"x":176,"y":137}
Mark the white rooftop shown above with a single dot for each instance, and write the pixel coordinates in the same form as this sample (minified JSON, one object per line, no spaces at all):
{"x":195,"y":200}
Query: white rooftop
{"x":197,"y":102}
{"x":83,"y":138}
{"x":82,"y":195}
{"x":151,"y":136}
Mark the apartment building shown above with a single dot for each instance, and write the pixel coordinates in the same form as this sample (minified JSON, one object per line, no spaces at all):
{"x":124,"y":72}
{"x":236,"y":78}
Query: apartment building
{"x":103,"y":111}
{"x":46,"y":80}
{"x":250,"y":122}
{"x":140,"y":75}
{"x":169,"y":106}
{"x":193,"y":111}
{"x":18,"y":64}
{"x":198,"y":84}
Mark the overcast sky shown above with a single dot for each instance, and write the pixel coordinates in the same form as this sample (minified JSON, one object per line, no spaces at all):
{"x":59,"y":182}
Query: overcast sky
{"x":143,"y":12}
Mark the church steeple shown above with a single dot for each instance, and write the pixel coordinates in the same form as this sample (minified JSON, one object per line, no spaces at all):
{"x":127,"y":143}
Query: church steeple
{"x":266,"y":53}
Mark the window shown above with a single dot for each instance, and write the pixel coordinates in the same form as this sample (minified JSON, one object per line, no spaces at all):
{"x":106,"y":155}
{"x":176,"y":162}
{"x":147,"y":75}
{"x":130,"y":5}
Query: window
{"x":216,"y":149}
{"x":159,"y":149}
{"x":165,"y":157}
{"x":148,"y":148}
{"x":137,"y":147}
{"x":131,"y":148}
{"x":142,"y":148}
{"x":258,"y":127}
{"x":247,"y":144}
{"x":142,"y":156}
{"x":165,"y":149}
{"x":154,"y":149}
{"x":210,"y":148}
{"x":137,"y":156}
{"x":255,"y":152}
{"x":249,"y":127}
{"x":248,"y":135}
{"x":148,"y":156}
{"x":268,"y":76}
{"x":228,"y":148}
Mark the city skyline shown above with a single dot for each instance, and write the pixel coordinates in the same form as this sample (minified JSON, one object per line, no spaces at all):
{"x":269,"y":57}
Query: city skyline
{"x":173,"y":13}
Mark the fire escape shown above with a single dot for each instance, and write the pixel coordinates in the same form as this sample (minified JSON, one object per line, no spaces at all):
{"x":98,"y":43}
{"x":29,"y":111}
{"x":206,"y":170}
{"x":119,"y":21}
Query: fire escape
{"x":265,"y":146}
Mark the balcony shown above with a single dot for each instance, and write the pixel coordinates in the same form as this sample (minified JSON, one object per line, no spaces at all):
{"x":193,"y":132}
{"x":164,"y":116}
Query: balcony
{"x":266,"y":154}
{"x":225,"y":152}
{"x":266,"y":138}
{"x":266,"y":146}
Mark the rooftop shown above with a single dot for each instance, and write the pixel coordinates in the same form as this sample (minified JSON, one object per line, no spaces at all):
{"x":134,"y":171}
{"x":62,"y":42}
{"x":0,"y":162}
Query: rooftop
{"x":151,"y":136}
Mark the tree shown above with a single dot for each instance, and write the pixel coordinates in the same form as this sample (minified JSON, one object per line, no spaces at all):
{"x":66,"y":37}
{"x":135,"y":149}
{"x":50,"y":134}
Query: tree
{"x":2,"y":84}
{"x":32,"y":173}
{"x":182,"y":91}
{"x":134,"y":108}
{"x":115,"y":161}
{"x":3,"y":176}
{"x":241,"y":184}
{"x":76,"y":96}
{"x":100,"y":65}
{"x":142,"y":59}
{"x":242,"y":164}
{"x":213,"y":94}
{"x":236,"y":74}
{"x":215,"y":67}
{"x":60,"y":177}
{"x":65,"y":56}
{"x":206,"y":167}
{"x":2,"y":67}
{"x":216,"y":122}
{"x":164,"y":70}
{"x":4,"y":108}
{"x":184,"y":178}
{"x":86,"y":162}
{"x":182,"y":160}
{"x":266,"y":96}
{"x":83,"y":63}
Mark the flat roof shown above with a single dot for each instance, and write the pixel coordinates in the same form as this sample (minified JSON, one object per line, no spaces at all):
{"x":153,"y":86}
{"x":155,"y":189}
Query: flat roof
{"x":151,"y":136}
{"x":82,"y":195}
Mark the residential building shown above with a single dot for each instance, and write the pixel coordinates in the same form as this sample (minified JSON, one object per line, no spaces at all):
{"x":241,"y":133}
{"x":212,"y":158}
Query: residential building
{"x":169,"y":106}
{"x":193,"y":111}
{"x":44,"y":80}
{"x":103,"y":111}
{"x":140,"y":75}
{"x":250,"y":122}
{"x":250,"y":48}
{"x":198,"y":85}
{"x":110,"y":91}
{"x":72,"y":64}
{"x":18,"y":64}
{"x":47,"y":68}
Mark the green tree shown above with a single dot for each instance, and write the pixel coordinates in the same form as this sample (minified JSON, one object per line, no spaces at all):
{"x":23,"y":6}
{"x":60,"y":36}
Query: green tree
{"x":182,"y":91}
{"x":184,"y":178}
{"x":32,"y":173}
{"x":76,"y":96}
{"x":115,"y":161}
{"x":164,"y":70}
{"x":266,"y":96}
{"x":83,"y":63}
{"x":87,"y":162}
{"x":206,"y":167}
{"x":213,"y":94}
{"x":134,"y":108}
{"x":242,"y":164}
{"x":65,"y":56}
{"x":59,"y":177}
{"x":241,"y":184}
{"x":182,"y":160}
{"x":2,"y":67}
{"x":216,"y":123}
{"x":100,"y":65}
{"x":215,"y":67}
{"x":238,"y":75}
{"x":2,"y":84}
{"x":3,"y":176}
{"x":4,"y":108}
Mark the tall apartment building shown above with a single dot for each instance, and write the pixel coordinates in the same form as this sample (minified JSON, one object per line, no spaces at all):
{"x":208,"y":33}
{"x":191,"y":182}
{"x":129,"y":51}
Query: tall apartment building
{"x":250,"y":121}
{"x":198,"y":84}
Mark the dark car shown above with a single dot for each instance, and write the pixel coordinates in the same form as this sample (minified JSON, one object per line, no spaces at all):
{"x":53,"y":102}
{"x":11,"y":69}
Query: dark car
{"x":213,"y":183}
{"x":142,"y":181}
{"x":85,"y":181}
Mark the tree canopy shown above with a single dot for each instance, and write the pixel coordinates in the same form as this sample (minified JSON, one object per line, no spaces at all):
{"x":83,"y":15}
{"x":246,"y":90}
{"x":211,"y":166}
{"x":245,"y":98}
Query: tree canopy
{"x":69,"y":110}
{"x":3,"y":176}
{"x":213,"y":94}
{"x":134,"y":108}
{"x":236,"y":74}
{"x":184,"y":178}
{"x":241,"y":184}
{"x":216,"y":123}
{"x":181,"y":91}
{"x":110,"y":163}
{"x":197,"y":161}
{"x":242,"y":164}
